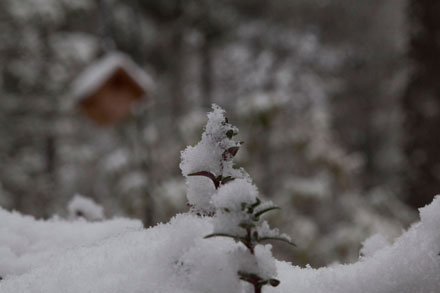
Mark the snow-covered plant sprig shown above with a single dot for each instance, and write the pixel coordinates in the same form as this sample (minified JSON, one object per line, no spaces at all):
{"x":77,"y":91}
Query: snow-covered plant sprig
{"x":238,"y":216}
{"x":216,"y":188}
{"x":255,"y":233}
{"x":210,"y":159}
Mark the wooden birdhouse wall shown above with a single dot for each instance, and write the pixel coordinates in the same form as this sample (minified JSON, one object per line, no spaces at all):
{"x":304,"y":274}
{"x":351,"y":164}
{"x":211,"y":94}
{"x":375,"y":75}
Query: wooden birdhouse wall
{"x":113,"y":101}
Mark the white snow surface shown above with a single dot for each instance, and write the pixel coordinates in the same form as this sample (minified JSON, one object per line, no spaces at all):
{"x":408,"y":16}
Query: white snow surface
{"x":120,"y":256}
{"x":98,"y":72}
{"x":373,"y":244}
{"x":82,"y":207}
{"x":410,"y":264}
{"x":233,"y":194}
{"x":27,"y":243}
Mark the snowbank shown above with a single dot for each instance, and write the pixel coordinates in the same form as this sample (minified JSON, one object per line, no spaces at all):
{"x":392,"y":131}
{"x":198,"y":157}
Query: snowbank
{"x":55,"y":256}
{"x":82,"y":207}
{"x":411,"y":264}
{"x":27,"y":243}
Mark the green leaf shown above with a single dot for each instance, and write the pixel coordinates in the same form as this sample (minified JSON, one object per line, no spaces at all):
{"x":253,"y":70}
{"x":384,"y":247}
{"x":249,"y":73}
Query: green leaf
{"x":246,"y":225}
{"x":262,"y":283}
{"x":263,"y":211}
{"x":249,"y":277}
{"x":274,"y":282}
{"x":237,"y":238}
{"x":230,"y":133}
{"x":257,"y":203}
{"x":227,"y":179}
{"x":255,"y":235}
{"x":277,"y":239}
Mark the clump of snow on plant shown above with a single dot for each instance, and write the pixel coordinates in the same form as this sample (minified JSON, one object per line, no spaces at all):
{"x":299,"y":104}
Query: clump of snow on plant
{"x":234,"y":194}
{"x":262,"y":263}
{"x":265,"y":231}
{"x":207,"y":156}
{"x":265,"y":262}
{"x":228,"y":203}
{"x":238,"y":210}
{"x":83,"y":207}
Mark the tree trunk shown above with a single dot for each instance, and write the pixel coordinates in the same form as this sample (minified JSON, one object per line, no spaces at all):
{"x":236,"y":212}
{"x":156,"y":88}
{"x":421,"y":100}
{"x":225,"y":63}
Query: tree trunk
{"x":421,"y":103}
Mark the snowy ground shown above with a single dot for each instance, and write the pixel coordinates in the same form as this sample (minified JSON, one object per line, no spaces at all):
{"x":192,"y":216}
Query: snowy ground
{"x":120,"y":256}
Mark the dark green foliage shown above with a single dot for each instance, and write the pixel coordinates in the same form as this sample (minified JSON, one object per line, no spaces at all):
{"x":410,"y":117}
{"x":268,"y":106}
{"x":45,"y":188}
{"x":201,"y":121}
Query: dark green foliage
{"x":252,"y":238}
{"x":230,"y":133}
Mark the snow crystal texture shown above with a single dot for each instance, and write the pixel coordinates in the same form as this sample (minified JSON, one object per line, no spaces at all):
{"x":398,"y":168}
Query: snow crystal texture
{"x":174,"y":257}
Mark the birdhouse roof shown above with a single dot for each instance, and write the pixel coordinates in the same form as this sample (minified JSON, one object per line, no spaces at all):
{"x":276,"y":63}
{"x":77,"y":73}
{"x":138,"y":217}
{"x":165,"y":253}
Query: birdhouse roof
{"x":95,"y":75}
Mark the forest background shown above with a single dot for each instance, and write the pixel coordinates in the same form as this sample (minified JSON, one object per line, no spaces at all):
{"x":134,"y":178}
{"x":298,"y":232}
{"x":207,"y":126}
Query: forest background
{"x":337,"y":103}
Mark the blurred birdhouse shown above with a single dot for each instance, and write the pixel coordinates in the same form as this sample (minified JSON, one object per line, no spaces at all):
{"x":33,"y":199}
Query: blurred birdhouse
{"x":108,"y":89}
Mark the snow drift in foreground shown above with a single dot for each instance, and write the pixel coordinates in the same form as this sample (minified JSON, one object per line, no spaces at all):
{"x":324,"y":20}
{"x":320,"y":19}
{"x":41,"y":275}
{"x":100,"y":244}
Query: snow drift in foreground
{"x":27,"y":243}
{"x":119,"y":256}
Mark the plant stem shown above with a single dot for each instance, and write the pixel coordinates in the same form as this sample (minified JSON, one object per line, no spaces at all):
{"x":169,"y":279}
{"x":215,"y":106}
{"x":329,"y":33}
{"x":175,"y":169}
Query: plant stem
{"x":249,"y":244}
{"x":257,"y":289}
